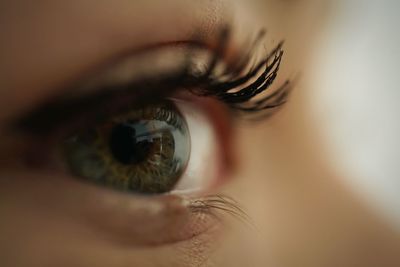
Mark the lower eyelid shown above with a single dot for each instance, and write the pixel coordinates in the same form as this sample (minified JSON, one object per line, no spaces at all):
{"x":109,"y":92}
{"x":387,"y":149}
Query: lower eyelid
{"x":123,"y":219}
{"x":147,"y":221}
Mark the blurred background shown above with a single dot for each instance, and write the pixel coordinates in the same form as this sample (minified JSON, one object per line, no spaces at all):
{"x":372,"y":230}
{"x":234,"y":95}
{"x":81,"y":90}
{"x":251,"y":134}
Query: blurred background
{"x":356,"y":98}
{"x":351,"y":68}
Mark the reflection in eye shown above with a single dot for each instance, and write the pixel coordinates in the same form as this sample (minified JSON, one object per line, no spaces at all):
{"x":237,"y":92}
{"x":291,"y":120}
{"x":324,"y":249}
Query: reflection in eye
{"x":144,"y":150}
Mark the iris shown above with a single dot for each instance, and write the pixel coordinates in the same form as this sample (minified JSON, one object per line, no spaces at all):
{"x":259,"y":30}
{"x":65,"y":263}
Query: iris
{"x":140,"y":150}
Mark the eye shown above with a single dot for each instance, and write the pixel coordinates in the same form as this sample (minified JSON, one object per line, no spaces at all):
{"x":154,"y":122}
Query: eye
{"x":147,"y":150}
{"x":126,"y":132}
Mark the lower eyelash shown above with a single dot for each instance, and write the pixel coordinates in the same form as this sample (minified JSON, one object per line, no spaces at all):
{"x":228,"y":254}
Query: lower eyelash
{"x":216,"y":204}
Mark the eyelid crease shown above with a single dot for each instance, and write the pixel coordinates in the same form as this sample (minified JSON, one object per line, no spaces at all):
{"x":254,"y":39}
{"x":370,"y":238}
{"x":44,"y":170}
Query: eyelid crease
{"x":56,"y":111}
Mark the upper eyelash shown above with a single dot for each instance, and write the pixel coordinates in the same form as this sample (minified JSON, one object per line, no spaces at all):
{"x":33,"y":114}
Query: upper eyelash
{"x":241,"y":99}
{"x":233,"y":91}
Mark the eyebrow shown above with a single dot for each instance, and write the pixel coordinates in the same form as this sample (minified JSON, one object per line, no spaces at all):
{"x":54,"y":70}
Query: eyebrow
{"x":84,"y":36}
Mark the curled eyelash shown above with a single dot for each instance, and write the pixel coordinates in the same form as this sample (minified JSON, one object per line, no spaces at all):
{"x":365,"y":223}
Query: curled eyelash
{"x":240,"y":93}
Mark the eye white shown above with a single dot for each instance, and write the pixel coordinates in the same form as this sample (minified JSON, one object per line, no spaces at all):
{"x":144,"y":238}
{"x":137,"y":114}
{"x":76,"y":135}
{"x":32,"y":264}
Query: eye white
{"x":202,"y":169}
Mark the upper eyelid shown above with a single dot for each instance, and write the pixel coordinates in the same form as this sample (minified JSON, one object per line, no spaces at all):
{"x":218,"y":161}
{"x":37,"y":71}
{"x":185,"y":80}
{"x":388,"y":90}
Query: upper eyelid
{"x":66,"y":52}
{"x":69,"y":87}
{"x":41,"y":118}
{"x":48,"y":118}
{"x":143,"y":63}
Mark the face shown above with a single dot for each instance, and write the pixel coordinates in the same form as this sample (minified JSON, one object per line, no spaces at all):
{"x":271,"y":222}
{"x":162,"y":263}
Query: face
{"x":147,"y":133}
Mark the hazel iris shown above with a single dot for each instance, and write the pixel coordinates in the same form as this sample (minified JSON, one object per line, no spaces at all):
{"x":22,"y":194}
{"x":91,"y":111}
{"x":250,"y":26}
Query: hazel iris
{"x":142,"y":150}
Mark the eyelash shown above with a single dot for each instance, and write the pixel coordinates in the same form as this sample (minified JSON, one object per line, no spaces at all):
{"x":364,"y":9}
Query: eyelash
{"x":215,"y":205}
{"x":228,"y":90}
{"x":237,"y":93}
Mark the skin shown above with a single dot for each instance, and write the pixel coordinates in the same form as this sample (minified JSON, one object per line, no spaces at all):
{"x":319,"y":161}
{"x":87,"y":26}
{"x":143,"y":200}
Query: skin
{"x":302,"y":215}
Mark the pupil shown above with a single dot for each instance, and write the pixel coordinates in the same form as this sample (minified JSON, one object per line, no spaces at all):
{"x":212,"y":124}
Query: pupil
{"x":129,"y":143}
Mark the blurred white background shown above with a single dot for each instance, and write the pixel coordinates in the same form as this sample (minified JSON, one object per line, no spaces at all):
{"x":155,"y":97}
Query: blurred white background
{"x":357,"y":81}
